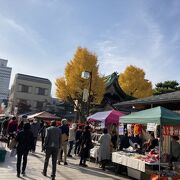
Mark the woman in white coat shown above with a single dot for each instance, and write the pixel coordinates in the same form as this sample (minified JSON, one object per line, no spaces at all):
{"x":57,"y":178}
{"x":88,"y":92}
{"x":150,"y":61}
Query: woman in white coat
{"x":104,"y":150}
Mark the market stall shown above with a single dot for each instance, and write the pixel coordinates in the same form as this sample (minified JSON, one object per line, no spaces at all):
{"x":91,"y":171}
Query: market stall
{"x":46,"y":116}
{"x":159,"y":116}
{"x":100,"y":120}
{"x":106,"y":117}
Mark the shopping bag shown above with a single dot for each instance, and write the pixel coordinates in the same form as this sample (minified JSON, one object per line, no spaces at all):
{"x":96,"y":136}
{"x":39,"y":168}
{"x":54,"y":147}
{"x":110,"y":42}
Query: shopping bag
{"x":12,"y":144}
{"x":91,"y":145}
{"x":13,"y":152}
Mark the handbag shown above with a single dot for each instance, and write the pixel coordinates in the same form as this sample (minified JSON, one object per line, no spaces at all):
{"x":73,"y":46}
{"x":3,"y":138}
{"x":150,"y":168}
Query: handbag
{"x":91,"y":145}
{"x":12,"y":144}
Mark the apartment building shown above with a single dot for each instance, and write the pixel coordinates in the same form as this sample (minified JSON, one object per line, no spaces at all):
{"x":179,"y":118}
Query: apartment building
{"x":33,"y":91}
{"x":5,"y":74}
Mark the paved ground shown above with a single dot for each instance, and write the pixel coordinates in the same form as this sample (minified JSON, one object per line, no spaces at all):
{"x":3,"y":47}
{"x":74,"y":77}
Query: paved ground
{"x":70,"y":172}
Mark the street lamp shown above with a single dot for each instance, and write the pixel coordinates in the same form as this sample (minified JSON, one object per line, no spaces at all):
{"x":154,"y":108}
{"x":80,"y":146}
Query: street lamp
{"x":88,"y":75}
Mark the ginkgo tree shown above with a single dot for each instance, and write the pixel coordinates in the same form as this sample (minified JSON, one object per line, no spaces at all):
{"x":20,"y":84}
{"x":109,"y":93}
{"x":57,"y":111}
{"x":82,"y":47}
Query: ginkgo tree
{"x":71,"y":86}
{"x":133,"y":82}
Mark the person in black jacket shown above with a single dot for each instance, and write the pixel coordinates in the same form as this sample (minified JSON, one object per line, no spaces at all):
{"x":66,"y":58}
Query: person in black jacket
{"x":42,"y":132}
{"x":78,"y":140}
{"x":124,"y":142}
{"x":85,"y":146}
{"x":25,"y":142}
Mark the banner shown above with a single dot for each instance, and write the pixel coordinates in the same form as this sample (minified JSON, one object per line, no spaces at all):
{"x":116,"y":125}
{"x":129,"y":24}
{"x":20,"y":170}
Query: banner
{"x":171,"y":130}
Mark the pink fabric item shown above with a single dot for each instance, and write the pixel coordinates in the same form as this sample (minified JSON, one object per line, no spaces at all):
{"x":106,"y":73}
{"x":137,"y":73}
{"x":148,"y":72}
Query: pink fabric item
{"x":109,"y":117}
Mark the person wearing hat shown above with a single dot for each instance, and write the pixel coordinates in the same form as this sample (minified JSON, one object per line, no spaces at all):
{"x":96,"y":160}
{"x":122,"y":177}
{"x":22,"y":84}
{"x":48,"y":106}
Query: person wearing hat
{"x":65,"y":134}
{"x":51,"y":146}
{"x":24,"y":141}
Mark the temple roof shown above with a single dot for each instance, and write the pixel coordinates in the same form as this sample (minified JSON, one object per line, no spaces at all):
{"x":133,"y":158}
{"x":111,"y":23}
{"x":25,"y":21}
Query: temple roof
{"x":114,"y":92}
{"x":160,"y":99}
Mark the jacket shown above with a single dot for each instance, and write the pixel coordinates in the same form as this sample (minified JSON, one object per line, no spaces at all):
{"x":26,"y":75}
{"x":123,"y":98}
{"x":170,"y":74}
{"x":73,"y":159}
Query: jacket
{"x":35,"y":129}
{"x":72,"y":134}
{"x":52,"y":137}
{"x":25,"y":141}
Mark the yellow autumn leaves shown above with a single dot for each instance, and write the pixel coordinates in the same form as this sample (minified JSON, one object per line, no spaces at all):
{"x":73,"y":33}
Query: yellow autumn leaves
{"x":133,"y":82}
{"x":71,"y":86}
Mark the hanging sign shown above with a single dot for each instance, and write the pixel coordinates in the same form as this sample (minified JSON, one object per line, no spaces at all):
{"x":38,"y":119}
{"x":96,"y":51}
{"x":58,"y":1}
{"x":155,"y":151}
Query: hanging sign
{"x":121,"y":129}
{"x":85,"y":95}
{"x":151,"y":126}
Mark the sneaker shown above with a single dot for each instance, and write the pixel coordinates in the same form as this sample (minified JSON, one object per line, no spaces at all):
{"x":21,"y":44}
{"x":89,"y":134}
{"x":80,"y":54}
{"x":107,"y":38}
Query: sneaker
{"x":18,"y":175}
{"x":85,"y":165}
{"x":69,"y":155}
{"x":52,"y":177}
{"x":59,"y":163}
{"x":23,"y":173}
{"x":44,"y":173}
{"x":65,"y":163}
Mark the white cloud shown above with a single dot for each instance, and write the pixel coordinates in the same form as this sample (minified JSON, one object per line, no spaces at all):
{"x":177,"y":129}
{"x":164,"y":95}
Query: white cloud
{"x":145,"y":48}
{"x":28,"y":34}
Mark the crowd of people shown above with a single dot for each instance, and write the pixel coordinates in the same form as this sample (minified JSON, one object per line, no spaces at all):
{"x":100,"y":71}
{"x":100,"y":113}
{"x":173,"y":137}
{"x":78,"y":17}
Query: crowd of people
{"x":60,"y":142}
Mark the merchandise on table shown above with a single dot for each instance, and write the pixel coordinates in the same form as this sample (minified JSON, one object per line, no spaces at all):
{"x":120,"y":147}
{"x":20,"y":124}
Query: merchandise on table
{"x":152,"y":156}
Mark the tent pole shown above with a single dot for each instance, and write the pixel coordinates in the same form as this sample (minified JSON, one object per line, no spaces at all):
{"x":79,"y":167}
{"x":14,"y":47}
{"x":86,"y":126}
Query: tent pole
{"x":160,"y":144}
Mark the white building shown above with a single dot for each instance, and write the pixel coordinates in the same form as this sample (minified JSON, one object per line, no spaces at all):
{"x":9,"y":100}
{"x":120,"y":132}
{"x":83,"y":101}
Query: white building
{"x":30,"y":90}
{"x":5,"y":74}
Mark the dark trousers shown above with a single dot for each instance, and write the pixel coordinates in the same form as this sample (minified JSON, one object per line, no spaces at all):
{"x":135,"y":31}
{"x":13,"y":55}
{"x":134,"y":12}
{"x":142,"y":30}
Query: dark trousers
{"x":34,"y":143}
{"x":19,"y":158}
{"x":103,"y":163}
{"x":51,"y":151}
{"x":77,"y":148}
{"x":82,"y":159}
{"x":71,"y":143}
{"x":42,"y":138}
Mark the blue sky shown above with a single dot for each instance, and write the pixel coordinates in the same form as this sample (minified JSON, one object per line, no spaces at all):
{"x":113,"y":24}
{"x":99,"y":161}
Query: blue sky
{"x":39,"y":37}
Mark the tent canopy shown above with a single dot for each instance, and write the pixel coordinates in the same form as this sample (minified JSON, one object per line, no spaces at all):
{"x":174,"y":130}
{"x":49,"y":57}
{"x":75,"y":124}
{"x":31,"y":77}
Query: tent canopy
{"x":109,"y":117}
{"x":158,"y":115}
{"x":44,"y":115}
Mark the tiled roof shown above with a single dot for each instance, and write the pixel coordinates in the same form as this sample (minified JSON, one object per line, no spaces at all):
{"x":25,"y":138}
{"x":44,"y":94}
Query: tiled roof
{"x":163,"y":98}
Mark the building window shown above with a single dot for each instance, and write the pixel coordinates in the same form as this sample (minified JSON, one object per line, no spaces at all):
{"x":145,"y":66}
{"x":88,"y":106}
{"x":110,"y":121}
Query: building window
{"x":24,"y":88}
{"x":41,"y":91}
